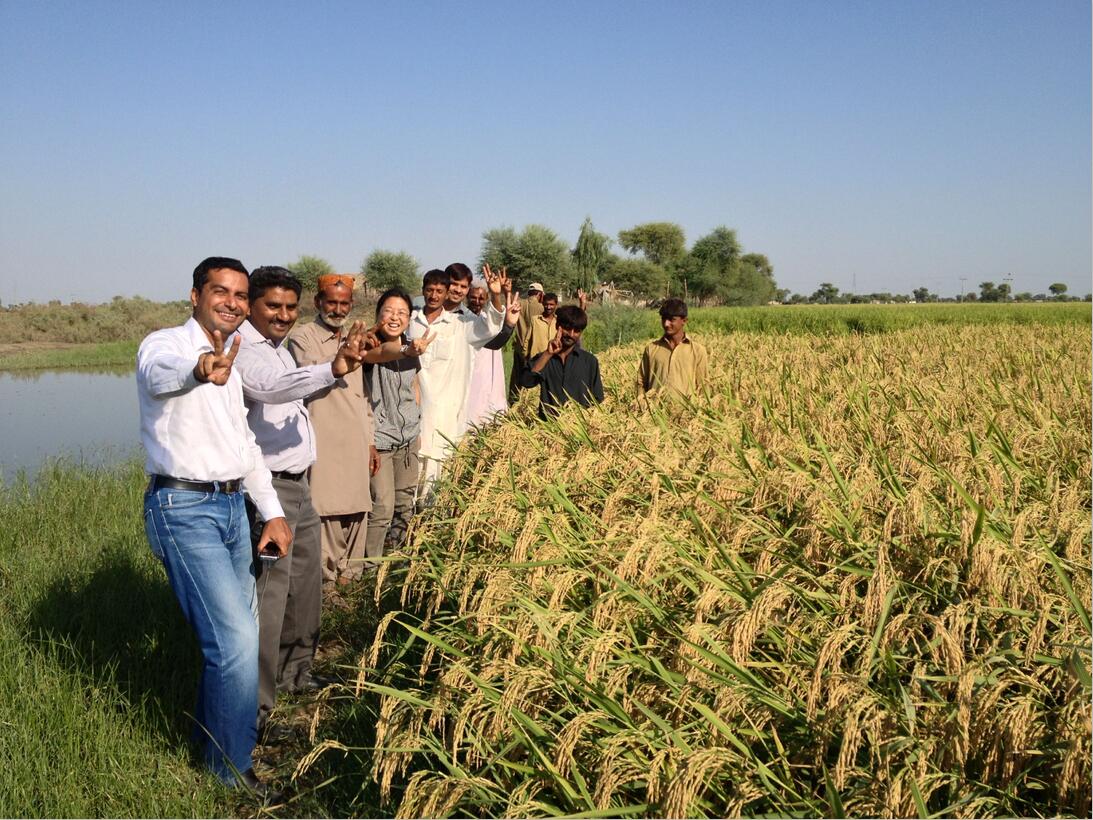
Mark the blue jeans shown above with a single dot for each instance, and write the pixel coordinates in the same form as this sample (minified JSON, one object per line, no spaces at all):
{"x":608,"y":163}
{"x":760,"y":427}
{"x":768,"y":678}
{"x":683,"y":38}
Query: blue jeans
{"x":203,"y":540}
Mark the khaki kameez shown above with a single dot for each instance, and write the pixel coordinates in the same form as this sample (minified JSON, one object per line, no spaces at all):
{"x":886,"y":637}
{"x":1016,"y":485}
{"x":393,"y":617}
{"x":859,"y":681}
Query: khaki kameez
{"x":342,"y":418}
{"x":529,"y":309}
{"x":681,"y":371}
{"x":540,"y":332}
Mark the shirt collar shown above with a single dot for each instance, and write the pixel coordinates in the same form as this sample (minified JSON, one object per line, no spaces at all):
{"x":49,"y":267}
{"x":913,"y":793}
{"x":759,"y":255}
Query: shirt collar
{"x":664,"y":342}
{"x":197,"y":337}
{"x":250,"y":334}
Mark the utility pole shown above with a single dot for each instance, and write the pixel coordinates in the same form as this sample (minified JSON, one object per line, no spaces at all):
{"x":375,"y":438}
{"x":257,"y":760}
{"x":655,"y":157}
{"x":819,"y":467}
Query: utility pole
{"x":1008,"y":279}
{"x":963,"y":279}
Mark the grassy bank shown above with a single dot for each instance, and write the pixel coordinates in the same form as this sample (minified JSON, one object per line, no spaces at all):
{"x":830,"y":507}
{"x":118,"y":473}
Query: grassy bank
{"x":99,"y":667}
{"x":37,"y":357}
{"x":118,"y":320}
{"x":854,"y":580}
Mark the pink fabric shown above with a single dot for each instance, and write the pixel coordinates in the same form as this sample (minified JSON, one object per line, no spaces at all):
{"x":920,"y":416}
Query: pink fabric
{"x":486,"y":398}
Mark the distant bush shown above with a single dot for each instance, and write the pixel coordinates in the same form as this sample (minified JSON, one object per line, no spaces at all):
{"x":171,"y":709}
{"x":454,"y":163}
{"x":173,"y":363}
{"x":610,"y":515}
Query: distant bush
{"x":118,"y":320}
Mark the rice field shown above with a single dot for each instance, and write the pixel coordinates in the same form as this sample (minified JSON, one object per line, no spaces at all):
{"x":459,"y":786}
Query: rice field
{"x":851,"y":580}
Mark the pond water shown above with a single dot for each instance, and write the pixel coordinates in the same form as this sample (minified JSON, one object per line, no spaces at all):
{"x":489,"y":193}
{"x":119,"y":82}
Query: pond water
{"x":84,"y":415}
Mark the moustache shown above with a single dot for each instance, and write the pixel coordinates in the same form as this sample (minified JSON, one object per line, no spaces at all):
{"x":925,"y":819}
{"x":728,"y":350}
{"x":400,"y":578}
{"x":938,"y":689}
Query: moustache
{"x":335,"y":319}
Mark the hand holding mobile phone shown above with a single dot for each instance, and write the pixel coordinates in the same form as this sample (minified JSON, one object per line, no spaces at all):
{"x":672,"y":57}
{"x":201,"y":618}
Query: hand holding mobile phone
{"x":270,"y":552}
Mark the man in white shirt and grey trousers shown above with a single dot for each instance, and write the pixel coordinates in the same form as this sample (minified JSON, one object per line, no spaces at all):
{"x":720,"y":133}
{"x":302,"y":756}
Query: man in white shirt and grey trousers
{"x":200,"y":456}
{"x":289,"y":589}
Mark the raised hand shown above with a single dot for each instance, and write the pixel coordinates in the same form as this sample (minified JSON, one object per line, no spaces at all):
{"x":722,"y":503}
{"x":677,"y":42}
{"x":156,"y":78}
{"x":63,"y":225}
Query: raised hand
{"x":582,"y":299}
{"x":216,"y":367}
{"x":493,"y":280}
{"x":350,"y":353}
{"x":512,"y":310}
{"x":372,"y":338}
{"x":555,"y":345}
{"x":420,"y":345}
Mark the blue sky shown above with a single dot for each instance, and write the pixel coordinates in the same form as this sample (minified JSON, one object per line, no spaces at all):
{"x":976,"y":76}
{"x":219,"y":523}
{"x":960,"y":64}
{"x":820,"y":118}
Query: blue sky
{"x":876,"y":145}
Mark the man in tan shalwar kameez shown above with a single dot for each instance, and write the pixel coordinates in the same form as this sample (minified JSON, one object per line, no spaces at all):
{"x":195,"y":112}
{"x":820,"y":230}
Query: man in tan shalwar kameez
{"x":344,"y":437}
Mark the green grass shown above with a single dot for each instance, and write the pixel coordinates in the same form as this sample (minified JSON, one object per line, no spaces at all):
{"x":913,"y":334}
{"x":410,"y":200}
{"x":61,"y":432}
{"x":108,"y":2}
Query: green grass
{"x":102,"y":354}
{"x":99,"y":666}
{"x":100,"y":670}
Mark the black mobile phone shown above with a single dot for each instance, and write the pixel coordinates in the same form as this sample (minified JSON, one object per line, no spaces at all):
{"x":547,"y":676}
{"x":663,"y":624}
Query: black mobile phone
{"x":270,"y":552}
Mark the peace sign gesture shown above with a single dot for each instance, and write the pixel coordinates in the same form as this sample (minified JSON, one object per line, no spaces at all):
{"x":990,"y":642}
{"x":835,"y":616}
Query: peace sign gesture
{"x":512,"y":310}
{"x":350,"y":352}
{"x":555,"y":345}
{"x":495,"y":282}
{"x":216,"y":367}
{"x":418,"y":346}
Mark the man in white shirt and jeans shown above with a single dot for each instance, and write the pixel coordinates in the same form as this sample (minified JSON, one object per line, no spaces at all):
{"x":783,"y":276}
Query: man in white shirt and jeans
{"x":201,"y":455}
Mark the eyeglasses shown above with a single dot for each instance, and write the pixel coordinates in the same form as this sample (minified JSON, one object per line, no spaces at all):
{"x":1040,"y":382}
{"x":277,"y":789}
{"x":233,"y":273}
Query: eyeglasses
{"x":395,"y":313}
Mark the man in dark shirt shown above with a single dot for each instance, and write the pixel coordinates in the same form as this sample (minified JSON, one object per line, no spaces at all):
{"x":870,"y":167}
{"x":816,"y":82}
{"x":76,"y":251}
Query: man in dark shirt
{"x":564,"y":370}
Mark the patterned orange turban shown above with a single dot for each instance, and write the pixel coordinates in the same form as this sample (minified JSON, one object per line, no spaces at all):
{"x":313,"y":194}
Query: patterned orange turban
{"x":328,"y":279}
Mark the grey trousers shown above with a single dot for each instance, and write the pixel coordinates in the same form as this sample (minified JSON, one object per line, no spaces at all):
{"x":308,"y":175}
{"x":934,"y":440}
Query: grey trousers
{"x":289,"y":598}
{"x":393,"y":488}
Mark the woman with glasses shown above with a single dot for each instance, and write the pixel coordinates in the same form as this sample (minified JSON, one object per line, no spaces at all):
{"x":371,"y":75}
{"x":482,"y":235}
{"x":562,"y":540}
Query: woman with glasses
{"x":396,"y":410}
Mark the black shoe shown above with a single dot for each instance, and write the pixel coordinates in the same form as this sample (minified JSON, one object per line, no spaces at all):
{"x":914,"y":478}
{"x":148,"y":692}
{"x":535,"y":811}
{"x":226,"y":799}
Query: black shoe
{"x":260,"y":789}
{"x":314,"y":683}
{"x":274,"y":734}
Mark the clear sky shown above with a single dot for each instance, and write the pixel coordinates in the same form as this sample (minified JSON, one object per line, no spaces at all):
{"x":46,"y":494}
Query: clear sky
{"x":875,"y":145}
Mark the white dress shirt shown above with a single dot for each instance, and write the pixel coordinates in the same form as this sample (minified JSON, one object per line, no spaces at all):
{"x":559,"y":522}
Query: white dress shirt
{"x":193,"y":430}
{"x":274,"y":389}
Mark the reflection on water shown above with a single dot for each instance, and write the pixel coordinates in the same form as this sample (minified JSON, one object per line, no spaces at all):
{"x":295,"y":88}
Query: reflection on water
{"x":87,"y":415}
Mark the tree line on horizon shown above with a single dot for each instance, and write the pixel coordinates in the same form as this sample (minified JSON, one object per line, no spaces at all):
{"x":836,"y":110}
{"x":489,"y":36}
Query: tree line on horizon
{"x":655,"y":263}
{"x":828,"y":294}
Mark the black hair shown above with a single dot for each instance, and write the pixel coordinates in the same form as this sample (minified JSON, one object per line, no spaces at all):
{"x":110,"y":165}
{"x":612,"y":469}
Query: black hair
{"x":435,"y":277}
{"x":550,"y":297}
{"x":457,"y":272}
{"x":394,"y":293}
{"x":201,"y":272}
{"x":673,"y":307}
{"x":272,"y":276}
{"x":571,"y":317}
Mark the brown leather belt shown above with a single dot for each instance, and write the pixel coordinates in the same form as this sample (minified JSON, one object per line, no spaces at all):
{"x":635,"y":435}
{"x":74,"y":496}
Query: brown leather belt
{"x":166,"y":482}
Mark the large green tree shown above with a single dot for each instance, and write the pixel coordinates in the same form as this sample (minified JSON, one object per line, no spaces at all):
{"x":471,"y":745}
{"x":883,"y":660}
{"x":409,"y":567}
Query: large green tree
{"x":662,"y":243}
{"x":751,"y":282}
{"x":1058,"y":289}
{"x":391,"y":269}
{"x":535,"y":254}
{"x":639,"y":276}
{"x":716,"y":268}
{"x":825,"y":294}
{"x":989,"y":292}
{"x":308,"y":269}
{"x":590,"y":254}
